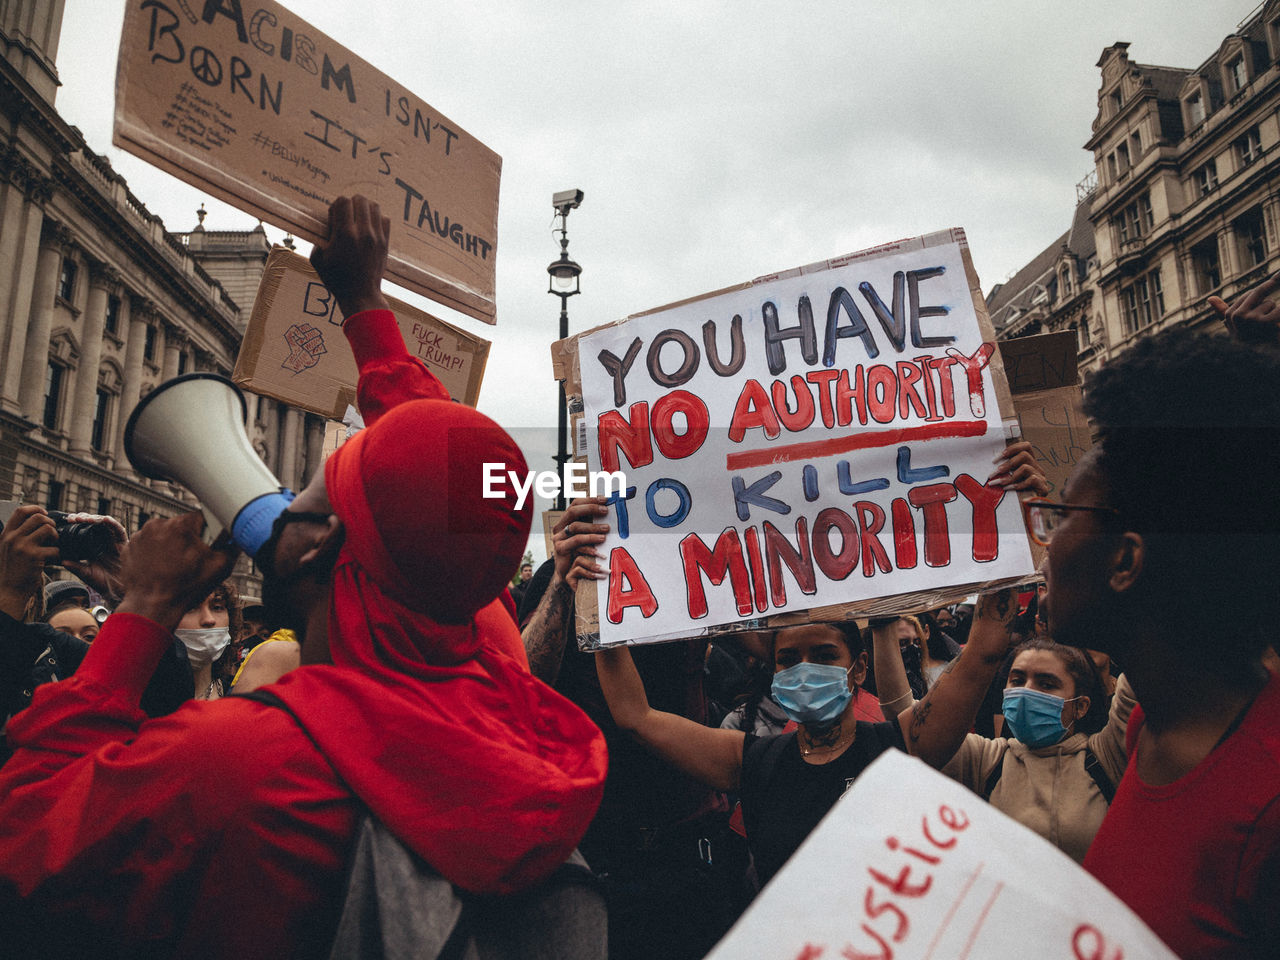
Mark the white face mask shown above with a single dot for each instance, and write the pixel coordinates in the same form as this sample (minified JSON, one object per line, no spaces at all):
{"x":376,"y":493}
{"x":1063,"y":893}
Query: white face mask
{"x":204,"y":645}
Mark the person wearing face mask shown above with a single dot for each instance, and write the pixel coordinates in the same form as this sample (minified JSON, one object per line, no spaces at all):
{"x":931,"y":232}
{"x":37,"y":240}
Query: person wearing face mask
{"x":205,"y":632}
{"x":789,"y":781}
{"x":1056,"y":772}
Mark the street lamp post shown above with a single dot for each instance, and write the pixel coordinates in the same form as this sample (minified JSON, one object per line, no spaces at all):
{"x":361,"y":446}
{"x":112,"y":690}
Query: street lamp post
{"x":564,"y":275}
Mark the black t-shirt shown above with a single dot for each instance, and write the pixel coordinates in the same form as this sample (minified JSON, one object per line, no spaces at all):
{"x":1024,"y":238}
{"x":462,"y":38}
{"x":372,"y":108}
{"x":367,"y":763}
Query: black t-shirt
{"x":783,"y":798}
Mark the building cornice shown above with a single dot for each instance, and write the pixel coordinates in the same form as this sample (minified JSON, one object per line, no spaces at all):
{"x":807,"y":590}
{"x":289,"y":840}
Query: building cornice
{"x":25,"y":105}
{"x":156,"y":263}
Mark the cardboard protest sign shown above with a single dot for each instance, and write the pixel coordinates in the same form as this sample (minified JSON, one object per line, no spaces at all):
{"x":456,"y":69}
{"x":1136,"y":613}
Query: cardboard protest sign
{"x":1045,"y":383}
{"x":549,"y":520}
{"x":911,"y":865}
{"x":294,"y":350}
{"x":813,"y":444}
{"x":253,"y":104}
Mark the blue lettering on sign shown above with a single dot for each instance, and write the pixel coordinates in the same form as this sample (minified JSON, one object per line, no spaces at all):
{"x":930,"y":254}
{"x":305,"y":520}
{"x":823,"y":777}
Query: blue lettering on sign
{"x":908,"y":475}
{"x":851,"y":489}
{"x":619,"y":503}
{"x":744,"y":496}
{"x":650,"y":502}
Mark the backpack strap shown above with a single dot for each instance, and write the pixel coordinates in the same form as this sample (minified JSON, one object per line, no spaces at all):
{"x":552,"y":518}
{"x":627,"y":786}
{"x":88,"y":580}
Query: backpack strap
{"x":1094,"y":768}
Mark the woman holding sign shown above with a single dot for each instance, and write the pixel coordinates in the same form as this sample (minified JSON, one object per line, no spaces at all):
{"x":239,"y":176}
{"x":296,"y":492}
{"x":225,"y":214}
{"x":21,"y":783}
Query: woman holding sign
{"x":789,"y":781}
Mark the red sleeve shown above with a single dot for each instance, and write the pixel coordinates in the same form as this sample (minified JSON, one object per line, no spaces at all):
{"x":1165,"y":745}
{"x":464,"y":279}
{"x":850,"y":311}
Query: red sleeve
{"x":389,"y":374}
{"x":133,"y":827}
{"x":96,"y":706}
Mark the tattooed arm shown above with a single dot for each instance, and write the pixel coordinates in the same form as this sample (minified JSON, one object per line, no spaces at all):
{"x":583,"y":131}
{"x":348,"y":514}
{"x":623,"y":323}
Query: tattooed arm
{"x":936,"y":726}
{"x":709,"y":754}
{"x":575,"y":539}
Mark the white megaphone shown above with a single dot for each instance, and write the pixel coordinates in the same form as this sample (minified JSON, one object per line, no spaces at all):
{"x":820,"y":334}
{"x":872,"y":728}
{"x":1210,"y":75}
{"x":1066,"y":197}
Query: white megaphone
{"x":190,"y":430}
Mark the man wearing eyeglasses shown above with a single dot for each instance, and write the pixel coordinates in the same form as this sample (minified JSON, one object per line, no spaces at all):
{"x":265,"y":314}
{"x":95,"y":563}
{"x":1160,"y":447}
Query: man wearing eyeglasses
{"x":1164,"y":552}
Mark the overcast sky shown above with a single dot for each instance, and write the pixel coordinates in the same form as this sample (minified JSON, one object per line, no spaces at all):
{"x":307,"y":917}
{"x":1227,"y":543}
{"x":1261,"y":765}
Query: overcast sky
{"x":716,"y":141}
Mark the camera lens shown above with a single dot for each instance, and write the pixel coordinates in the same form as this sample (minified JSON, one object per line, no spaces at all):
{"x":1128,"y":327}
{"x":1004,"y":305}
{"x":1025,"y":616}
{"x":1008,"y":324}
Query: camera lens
{"x":82,"y":541}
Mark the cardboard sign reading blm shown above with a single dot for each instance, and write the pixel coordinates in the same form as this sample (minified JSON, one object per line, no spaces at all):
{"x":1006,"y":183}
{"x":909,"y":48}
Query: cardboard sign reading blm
{"x":294,"y":350}
{"x":806,"y":444}
{"x":255,"y":105}
{"x":910,"y":865}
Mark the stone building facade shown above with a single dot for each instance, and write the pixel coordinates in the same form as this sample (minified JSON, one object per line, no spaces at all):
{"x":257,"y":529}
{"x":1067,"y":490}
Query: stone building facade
{"x":99,"y":303}
{"x":1187,"y":197}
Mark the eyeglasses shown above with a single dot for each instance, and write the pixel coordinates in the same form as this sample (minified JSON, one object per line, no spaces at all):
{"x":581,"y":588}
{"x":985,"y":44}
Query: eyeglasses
{"x":1045,"y":516}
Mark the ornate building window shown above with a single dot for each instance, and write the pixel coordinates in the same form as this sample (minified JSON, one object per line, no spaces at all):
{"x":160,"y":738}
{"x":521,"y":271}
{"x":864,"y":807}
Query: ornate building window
{"x":1136,"y":220}
{"x":1207,"y":266}
{"x":67,"y":279}
{"x":149,"y":343}
{"x":101,"y":420}
{"x":1206,"y":179}
{"x":54,"y":380}
{"x":1252,"y":238}
{"x":1238,"y":73}
{"x":112,"y":323}
{"x":1249,"y":147}
{"x":1142,"y":302}
{"x":1195,"y":111}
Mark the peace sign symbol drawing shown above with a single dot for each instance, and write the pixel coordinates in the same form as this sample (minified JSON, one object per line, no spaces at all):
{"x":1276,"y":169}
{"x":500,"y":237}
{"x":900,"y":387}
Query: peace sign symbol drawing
{"x":205,"y":66}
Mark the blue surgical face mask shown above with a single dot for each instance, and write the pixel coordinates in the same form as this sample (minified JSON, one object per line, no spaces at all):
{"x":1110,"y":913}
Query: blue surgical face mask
{"x":812,"y":692}
{"x":1035,"y":717}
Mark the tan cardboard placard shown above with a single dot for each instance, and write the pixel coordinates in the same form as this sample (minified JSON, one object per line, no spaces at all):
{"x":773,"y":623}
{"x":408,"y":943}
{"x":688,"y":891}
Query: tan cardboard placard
{"x":570,"y":356}
{"x":549,"y":520}
{"x":1045,"y":381}
{"x":294,"y":350}
{"x":264,"y":111}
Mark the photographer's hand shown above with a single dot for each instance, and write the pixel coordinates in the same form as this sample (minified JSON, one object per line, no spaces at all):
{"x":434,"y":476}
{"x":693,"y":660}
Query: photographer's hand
{"x":28,"y":542}
{"x":167,"y":569}
{"x":103,"y":572}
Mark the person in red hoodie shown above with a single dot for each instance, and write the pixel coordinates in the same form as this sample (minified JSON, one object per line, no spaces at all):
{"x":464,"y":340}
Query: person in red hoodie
{"x":223,"y":829}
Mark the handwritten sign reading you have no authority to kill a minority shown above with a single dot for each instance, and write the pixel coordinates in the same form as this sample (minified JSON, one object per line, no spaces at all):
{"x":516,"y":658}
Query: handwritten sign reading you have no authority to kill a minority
{"x":807,"y":443}
{"x":256,"y":106}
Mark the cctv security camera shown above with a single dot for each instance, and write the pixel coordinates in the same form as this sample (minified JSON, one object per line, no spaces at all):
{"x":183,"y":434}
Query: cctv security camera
{"x":566,"y":200}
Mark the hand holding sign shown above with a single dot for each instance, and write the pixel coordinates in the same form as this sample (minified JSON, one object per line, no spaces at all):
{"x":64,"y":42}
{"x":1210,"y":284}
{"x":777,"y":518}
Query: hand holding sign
{"x":1017,"y":469}
{"x":576,"y":538}
{"x":352,"y":257}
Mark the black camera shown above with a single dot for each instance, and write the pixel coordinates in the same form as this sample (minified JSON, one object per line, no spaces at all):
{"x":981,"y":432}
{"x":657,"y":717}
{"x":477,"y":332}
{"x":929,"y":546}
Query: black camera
{"x":81,"y":540}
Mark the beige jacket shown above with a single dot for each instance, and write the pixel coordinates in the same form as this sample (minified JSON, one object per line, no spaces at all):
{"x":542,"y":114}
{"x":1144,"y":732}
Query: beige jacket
{"x":1048,"y":789}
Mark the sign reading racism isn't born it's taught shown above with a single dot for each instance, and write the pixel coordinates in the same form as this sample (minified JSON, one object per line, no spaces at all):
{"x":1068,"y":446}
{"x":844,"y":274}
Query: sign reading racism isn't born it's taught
{"x":820,"y":438}
{"x":258,"y":107}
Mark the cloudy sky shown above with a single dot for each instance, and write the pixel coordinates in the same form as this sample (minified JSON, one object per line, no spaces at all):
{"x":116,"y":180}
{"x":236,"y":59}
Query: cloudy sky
{"x":716,"y":141}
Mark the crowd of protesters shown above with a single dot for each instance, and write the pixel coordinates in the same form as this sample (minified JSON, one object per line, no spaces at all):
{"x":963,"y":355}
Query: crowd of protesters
{"x":396,"y":755}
